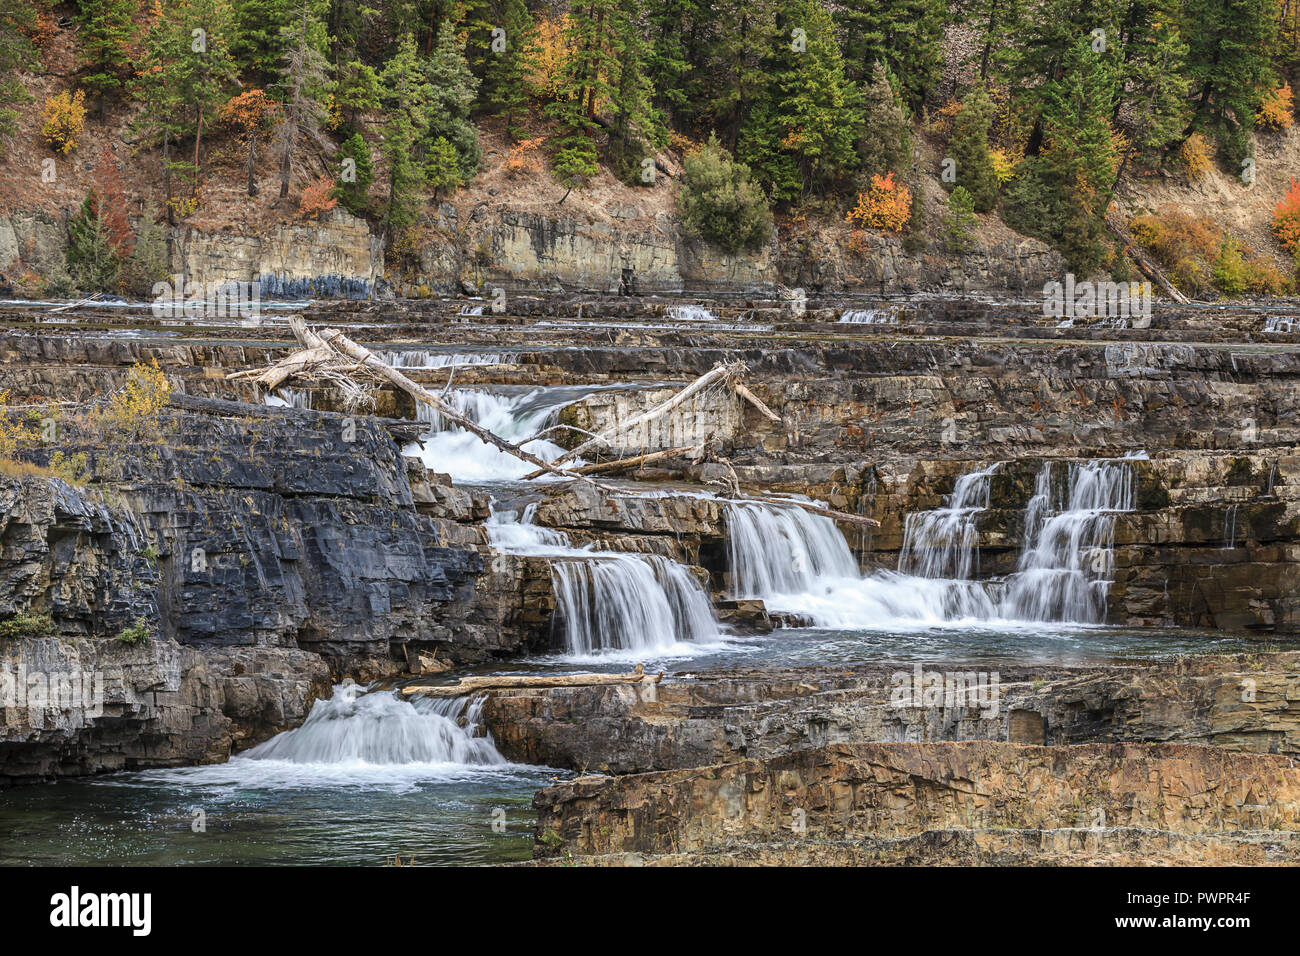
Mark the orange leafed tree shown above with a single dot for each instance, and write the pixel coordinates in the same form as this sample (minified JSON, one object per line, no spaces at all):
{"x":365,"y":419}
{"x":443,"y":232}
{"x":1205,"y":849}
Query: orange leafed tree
{"x":316,"y":200}
{"x":250,"y":114}
{"x":885,"y":204}
{"x":1286,"y":220}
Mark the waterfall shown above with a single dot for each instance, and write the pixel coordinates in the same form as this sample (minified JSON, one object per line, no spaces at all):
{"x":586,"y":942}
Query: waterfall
{"x":1068,"y":552}
{"x":783,"y":550}
{"x":800,"y":563}
{"x":424,"y":358}
{"x":452,"y":450}
{"x":690,"y":313}
{"x":944,"y":543}
{"x":1279,"y":323}
{"x":869,"y":317}
{"x":354,"y":727}
{"x":285,"y":397}
{"x":1230,"y":528}
{"x":611,"y":601}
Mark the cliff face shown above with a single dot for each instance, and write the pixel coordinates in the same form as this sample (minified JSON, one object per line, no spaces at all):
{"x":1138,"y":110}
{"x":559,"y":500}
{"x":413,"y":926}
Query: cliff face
{"x":481,"y":248}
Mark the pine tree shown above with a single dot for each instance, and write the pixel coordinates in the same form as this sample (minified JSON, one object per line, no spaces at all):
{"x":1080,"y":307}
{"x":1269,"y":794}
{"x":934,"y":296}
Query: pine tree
{"x":905,"y":35}
{"x":638,"y":128}
{"x":586,"y":78}
{"x":739,"y":63}
{"x":147,"y":262}
{"x":502,"y":89}
{"x":959,"y":222}
{"x":17,"y":53}
{"x":352,"y":183}
{"x":718,"y":201}
{"x":674,"y":54}
{"x":885,"y":145}
{"x":1229,"y":49}
{"x":303,"y":85}
{"x":90,"y":258}
{"x":105,"y":29}
{"x":407,"y":96}
{"x":252,"y":115}
{"x":803,"y":132}
{"x":968,"y":148}
{"x":453,"y":89}
{"x":442,"y":166}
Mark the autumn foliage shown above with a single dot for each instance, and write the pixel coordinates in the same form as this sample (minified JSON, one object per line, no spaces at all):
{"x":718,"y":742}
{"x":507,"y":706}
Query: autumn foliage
{"x":1286,"y":220}
{"x":108,"y":202}
{"x":62,"y":120}
{"x":885,"y":204}
{"x":316,"y":199}
{"x":1275,"y":110}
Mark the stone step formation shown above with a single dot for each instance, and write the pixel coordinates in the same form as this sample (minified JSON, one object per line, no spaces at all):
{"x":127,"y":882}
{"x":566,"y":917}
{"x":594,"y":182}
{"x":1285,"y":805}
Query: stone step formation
{"x":273,"y":544}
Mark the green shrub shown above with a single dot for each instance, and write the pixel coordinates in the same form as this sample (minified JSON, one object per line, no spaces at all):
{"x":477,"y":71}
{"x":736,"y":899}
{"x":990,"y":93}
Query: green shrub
{"x":720,"y":203}
{"x":26,"y":625}
{"x":136,"y":633}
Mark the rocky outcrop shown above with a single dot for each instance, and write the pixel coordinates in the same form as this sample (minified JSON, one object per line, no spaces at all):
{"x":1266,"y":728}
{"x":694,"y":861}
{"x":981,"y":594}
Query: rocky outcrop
{"x":337,"y":257}
{"x":901,"y":791}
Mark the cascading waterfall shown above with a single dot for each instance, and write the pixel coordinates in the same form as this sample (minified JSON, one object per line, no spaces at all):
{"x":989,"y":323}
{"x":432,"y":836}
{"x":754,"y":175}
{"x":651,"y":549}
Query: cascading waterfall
{"x":869,"y":317}
{"x":452,"y":450}
{"x":799,"y":562}
{"x":1068,"y":553}
{"x":424,"y":358}
{"x":379,"y":728}
{"x":610,"y":601}
{"x":690,"y":313}
{"x":944,"y":543}
{"x":783,"y":550}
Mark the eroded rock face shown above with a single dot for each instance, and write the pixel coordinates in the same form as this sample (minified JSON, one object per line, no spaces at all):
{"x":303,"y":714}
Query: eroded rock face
{"x":90,"y":678}
{"x":903,"y":790}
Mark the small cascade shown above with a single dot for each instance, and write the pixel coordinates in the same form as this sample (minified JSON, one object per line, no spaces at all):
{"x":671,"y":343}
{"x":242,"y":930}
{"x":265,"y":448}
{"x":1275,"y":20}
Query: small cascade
{"x":1280,"y":323}
{"x":611,"y":601}
{"x":285,"y":397}
{"x":471,"y":310}
{"x":451,"y":450}
{"x":424,"y":358}
{"x":1230,"y":528}
{"x":944,"y":543}
{"x":690,"y":313}
{"x":354,"y":727}
{"x":1272,"y":480}
{"x":783,"y":550}
{"x":869,"y":317}
{"x":798,"y":562}
{"x":1068,"y":551}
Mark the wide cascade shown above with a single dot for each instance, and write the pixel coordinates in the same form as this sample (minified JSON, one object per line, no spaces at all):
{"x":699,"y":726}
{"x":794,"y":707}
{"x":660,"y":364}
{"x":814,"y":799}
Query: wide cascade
{"x":451,"y":450}
{"x":380,"y":728}
{"x":799,"y":562}
{"x":609,"y":601}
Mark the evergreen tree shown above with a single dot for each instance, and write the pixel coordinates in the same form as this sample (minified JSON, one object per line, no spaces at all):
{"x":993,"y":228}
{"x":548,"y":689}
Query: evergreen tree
{"x":968,"y":148}
{"x":90,"y":258}
{"x":905,"y":35}
{"x":453,"y":88}
{"x":442,"y":166}
{"x":1229,"y":48}
{"x":259,"y":34}
{"x":352,"y":183}
{"x":586,"y":78}
{"x":959,"y":222}
{"x":502,"y":89}
{"x":885,"y":145}
{"x":17,"y":53}
{"x":674,"y":54}
{"x":407,"y":96}
{"x":147,"y":262}
{"x":802,"y":134}
{"x":637,"y":129}
{"x":105,"y":29}
{"x":738,"y":68}
{"x":719,"y":202}
{"x":303,"y":85}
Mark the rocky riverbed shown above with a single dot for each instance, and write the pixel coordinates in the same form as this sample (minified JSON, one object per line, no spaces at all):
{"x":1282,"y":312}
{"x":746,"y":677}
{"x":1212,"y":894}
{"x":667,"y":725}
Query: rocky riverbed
{"x":1098,"y":521}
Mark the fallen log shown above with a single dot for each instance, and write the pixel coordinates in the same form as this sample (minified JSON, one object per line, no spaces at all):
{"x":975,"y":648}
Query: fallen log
{"x":717,"y":374}
{"x":622,"y":464}
{"x":1144,"y":262}
{"x":475,"y":685}
{"x":340,"y":343}
{"x":747,"y":395}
